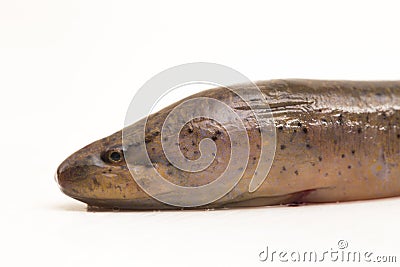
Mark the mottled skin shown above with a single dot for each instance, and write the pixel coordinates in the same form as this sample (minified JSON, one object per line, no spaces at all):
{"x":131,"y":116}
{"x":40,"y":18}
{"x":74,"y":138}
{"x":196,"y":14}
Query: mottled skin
{"x":336,"y":141}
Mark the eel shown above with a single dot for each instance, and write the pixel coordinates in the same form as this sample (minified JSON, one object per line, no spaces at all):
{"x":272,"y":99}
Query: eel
{"x":336,"y":141}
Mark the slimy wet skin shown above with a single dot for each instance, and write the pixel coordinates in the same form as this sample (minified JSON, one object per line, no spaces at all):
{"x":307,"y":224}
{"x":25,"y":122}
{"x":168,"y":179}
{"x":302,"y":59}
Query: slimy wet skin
{"x":335,"y":141}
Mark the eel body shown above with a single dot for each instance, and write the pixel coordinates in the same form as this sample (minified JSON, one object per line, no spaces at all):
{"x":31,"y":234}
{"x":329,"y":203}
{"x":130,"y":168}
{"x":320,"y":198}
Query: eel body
{"x":335,"y":141}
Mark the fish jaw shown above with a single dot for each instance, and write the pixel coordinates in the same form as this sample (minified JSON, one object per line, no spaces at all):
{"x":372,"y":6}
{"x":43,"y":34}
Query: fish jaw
{"x":85,"y":175}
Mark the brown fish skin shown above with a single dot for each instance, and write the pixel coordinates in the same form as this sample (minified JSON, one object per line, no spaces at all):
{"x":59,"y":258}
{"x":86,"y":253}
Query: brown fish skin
{"x":335,"y":141}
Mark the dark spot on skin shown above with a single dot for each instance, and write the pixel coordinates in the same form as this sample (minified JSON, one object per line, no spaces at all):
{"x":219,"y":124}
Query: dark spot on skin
{"x":254,"y":158}
{"x":165,"y":139}
{"x":295,"y":131}
{"x":95,"y":181}
{"x":359,"y":130}
{"x":196,"y":152}
{"x":320,"y":158}
{"x":349,"y":167}
{"x":147,"y":140}
{"x":214,"y":138}
{"x":258,"y":146}
{"x":193,"y":143}
{"x":299,"y":124}
{"x":305,"y":130}
{"x":190,"y":130}
{"x":353,"y":151}
{"x":339,"y":173}
{"x":110,"y":170}
{"x":283,"y":168}
{"x":155,"y":133}
{"x":283,"y":147}
{"x":312,"y":164}
{"x":398,"y":136}
{"x":296,"y":172}
{"x":308,"y":146}
{"x":343,"y":155}
{"x":153,"y":149}
{"x":320,"y":110}
{"x":280,"y":128}
{"x":340,"y":119}
{"x":326,"y":174}
{"x":378,"y":94}
{"x":324,"y":120}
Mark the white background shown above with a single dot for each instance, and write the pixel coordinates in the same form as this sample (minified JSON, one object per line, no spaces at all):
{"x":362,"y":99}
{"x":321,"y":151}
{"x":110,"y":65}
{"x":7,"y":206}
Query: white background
{"x":68,"y":70}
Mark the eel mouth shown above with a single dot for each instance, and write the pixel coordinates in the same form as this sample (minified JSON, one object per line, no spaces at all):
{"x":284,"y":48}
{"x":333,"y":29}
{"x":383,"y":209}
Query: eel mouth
{"x":66,"y":187}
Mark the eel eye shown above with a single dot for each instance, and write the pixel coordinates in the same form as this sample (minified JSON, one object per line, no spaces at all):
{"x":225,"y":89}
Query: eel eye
{"x":113,"y":156}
